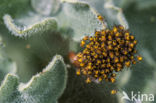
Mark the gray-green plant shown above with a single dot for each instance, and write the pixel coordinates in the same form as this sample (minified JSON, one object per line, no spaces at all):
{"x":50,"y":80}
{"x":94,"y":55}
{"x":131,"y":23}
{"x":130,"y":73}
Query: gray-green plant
{"x":35,"y":31}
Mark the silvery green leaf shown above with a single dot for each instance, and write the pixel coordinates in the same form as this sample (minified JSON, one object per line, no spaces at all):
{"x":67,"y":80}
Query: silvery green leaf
{"x":114,"y":14}
{"x":80,"y":17}
{"x":8,"y":88}
{"x":39,"y":27}
{"x":46,"y":7}
{"x":44,"y":87}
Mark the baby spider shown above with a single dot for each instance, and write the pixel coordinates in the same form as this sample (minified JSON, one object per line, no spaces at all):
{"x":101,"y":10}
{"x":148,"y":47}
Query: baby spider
{"x":105,"y":53}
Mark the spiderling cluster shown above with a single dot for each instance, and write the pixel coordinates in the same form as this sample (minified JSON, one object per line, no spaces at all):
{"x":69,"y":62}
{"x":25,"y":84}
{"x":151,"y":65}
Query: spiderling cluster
{"x":105,"y":53}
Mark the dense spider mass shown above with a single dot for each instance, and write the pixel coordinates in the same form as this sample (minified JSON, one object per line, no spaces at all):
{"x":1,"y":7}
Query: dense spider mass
{"x":106,"y":53}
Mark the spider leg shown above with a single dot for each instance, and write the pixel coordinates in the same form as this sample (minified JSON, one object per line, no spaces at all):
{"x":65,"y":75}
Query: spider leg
{"x":101,"y":19}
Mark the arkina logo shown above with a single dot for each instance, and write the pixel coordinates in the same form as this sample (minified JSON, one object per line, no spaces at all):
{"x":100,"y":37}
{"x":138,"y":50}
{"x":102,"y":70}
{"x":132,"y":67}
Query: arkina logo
{"x":138,"y":97}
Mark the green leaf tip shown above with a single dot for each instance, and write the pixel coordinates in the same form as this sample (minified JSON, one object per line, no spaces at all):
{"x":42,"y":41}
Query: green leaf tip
{"x":56,"y":63}
{"x":39,"y":27}
{"x":8,"y":87}
{"x":45,"y":87}
{"x":9,"y":79}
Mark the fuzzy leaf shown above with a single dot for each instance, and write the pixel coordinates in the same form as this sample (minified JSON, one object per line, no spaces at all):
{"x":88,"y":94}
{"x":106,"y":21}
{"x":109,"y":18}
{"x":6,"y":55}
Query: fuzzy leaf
{"x":46,"y":7}
{"x":111,"y":12}
{"x":33,"y":53}
{"x":44,"y":87}
{"x":42,"y":26}
{"x":114,"y":14}
{"x":80,"y":17}
{"x":8,"y":88}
